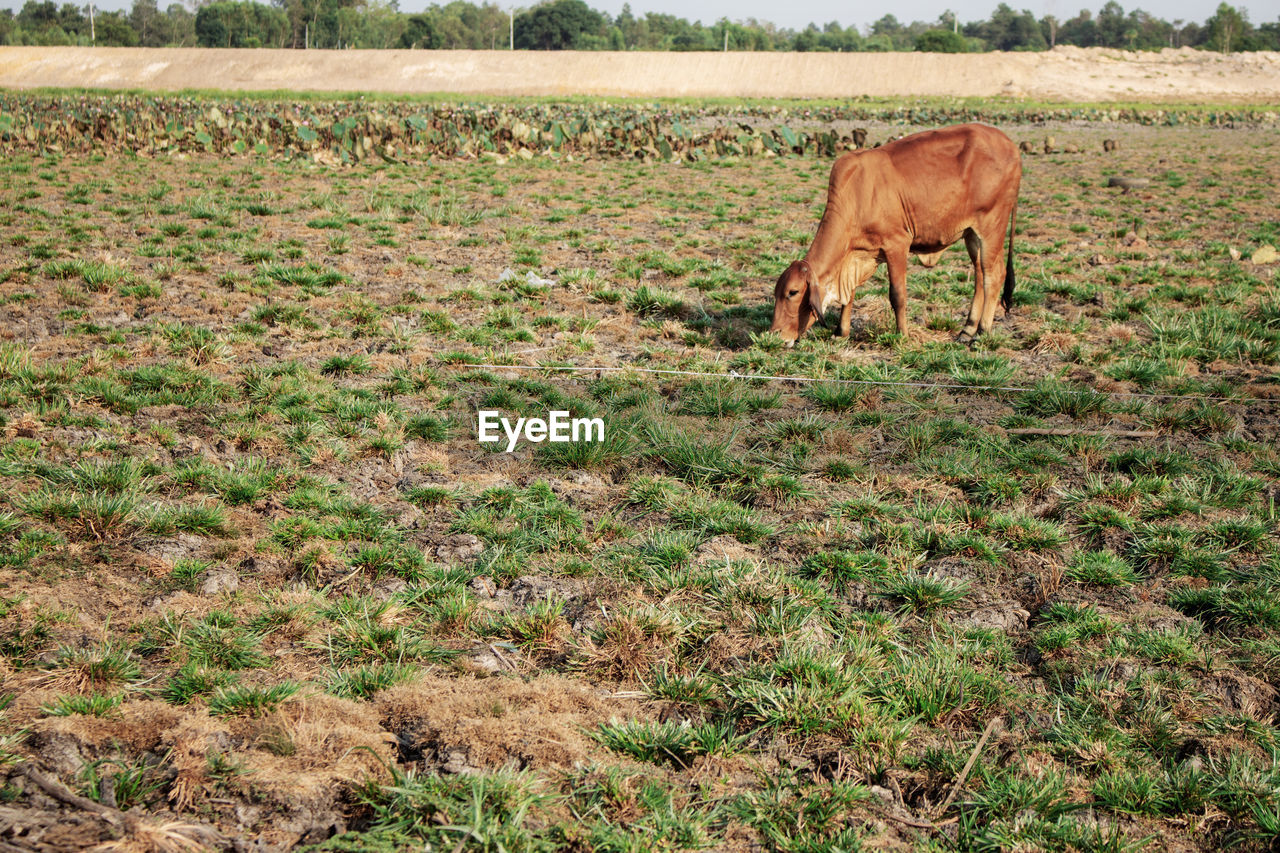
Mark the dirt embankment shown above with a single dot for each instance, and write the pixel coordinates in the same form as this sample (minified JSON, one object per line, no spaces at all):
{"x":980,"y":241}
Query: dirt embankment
{"x":1066,"y":73}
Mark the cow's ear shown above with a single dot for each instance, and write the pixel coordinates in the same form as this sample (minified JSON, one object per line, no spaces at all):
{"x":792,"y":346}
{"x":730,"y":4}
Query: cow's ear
{"x":815,"y":296}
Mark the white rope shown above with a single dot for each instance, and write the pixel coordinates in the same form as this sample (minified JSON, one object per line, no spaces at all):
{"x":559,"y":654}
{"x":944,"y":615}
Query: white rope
{"x":761,"y":377}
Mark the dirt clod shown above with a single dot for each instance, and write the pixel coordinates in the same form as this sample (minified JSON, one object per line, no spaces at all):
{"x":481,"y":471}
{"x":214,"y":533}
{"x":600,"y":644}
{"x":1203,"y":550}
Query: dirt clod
{"x":724,"y":549}
{"x":459,"y":547}
{"x":1005,"y":616}
{"x":218,"y":582}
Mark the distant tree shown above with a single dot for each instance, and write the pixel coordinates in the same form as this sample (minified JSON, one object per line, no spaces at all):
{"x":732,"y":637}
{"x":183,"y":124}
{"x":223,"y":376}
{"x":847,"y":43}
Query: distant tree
{"x":691,"y":37}
{"x":888,"y":33}
{"x":835,"y":37}
{"x":212,"y":28}
{"x":296,"y":12}
{"x":658,"y":31}
{"x":806,"y":40}
{"x":371,"y":25}
{"x":886,"y":26}
{"x":419,"y":32}
{"x":179,"y":25}
{"x":626,"y":23}
{"x":43,"y":23}
{"x":756,"y":35}
{"x":1149,"y":32}
{"x":1049,"y":30}
{"x":1227,"y":28}
{"x":73,"y":19}
{"x":558,"y":25}
{"x":314,"y":23}
{"x":1081,"y":31}
{"x":112,"y":29}
{"x":726,"y":33}
{"x":1010,"y":30}
{"x":36,"y":16}
{"x":941,"y":41}
{"x":240,"y":23}
{"x":1112,"y":25}
{"x":1269,"y":36}
{"x":145,"y":17}
{"x":460,"y":25}
{"x":1191,"y":35}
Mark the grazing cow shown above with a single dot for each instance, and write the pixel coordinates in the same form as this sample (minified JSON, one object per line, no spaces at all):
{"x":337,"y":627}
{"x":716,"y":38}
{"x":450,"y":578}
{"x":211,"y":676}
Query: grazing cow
{"x":916,"y":195}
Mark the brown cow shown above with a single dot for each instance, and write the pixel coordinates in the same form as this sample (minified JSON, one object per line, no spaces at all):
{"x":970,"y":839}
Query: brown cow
{"x":917,"y":195}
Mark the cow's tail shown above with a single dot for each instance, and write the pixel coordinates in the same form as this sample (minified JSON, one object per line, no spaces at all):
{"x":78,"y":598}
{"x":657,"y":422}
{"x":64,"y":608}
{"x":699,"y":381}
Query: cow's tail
{"x":1007,"y":298}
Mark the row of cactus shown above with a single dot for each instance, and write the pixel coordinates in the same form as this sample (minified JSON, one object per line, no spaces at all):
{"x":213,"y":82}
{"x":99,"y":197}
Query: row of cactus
{"x":350,"y":131}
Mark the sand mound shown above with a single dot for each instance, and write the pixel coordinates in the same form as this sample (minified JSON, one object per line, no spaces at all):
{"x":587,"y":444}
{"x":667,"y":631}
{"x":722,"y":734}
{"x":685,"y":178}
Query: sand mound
{"x":1066,"y":73}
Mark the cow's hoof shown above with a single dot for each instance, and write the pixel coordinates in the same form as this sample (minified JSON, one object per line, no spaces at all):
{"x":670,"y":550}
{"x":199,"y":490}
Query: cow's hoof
{"x":964,"y":338}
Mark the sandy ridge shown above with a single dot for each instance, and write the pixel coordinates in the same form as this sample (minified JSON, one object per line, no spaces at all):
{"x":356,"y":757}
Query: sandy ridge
{"x":1065,"y":73}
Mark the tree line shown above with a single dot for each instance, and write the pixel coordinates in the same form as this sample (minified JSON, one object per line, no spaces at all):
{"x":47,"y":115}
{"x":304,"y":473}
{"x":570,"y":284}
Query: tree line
{"x":573,"y":25}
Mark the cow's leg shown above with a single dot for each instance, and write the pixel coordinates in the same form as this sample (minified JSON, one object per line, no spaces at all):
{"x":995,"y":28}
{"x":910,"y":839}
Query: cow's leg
{"x":993,"y":272}
{"x":846,"y":318}
{"x":896,"y":261}
{"x":974,"y":244}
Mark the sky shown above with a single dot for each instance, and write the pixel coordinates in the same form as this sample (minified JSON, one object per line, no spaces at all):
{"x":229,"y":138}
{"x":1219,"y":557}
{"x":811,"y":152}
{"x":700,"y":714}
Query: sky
{"x":799,"y":13}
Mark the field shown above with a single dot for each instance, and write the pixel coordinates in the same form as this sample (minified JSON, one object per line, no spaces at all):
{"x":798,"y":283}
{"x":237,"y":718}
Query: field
{"x":262,"y":588}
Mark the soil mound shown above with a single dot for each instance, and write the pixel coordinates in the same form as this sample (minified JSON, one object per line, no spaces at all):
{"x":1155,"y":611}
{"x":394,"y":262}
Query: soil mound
{"x":1065,"y":73}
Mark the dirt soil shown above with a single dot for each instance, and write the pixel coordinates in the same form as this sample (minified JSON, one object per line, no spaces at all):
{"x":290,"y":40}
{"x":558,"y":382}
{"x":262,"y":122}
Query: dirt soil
{"x":1063,"y":74}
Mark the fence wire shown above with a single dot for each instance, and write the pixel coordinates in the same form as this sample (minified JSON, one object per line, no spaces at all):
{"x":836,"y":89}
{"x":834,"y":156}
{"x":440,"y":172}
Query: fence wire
{"x":891,"y":383}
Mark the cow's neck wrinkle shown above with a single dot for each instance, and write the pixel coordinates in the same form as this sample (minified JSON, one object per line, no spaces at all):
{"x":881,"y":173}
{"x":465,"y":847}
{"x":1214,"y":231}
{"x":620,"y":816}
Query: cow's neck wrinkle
{"x":830,"y":244}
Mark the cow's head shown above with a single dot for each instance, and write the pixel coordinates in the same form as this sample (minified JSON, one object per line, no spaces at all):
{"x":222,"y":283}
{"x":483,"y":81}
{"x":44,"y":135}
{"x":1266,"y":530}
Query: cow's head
{"x":797,"y":302}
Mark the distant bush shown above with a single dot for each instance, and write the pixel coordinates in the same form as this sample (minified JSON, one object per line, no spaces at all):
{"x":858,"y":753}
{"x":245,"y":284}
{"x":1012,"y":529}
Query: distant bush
{"x":941,"y":41}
